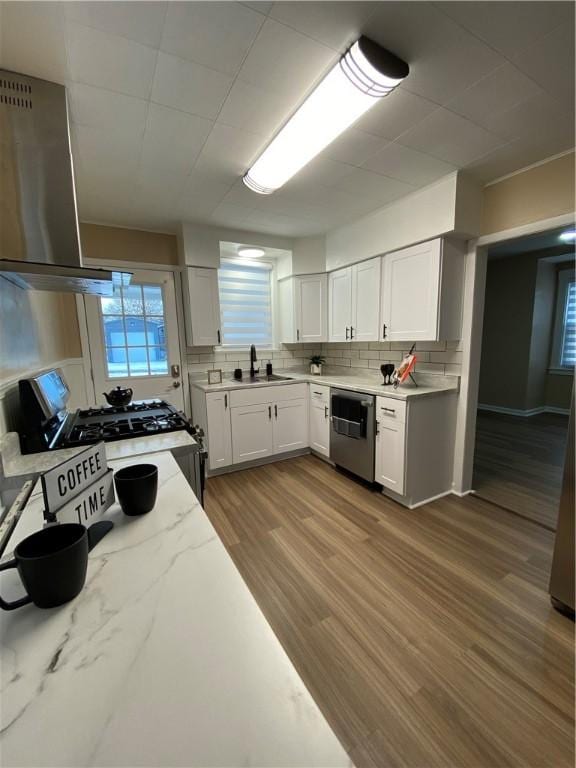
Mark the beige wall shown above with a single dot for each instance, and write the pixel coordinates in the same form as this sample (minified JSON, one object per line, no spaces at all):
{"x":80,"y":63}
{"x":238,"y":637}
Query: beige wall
{"x":534,"y":194}
{"x":117,"y":244}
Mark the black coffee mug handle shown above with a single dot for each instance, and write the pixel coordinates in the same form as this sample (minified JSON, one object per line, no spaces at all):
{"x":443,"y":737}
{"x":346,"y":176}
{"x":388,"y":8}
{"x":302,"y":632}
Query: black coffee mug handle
{"x":15,"y":603}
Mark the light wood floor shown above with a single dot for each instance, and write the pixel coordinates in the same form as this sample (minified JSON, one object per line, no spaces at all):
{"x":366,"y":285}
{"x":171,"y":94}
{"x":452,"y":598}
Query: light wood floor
{"x":426,"y":637}
{"x":519,"y":462}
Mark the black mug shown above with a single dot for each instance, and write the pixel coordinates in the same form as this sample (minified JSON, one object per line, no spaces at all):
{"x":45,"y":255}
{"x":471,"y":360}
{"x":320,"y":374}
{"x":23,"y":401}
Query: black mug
{"x":238,"y":374}
{"x":136,"y":488}
{"x":52,"y":564}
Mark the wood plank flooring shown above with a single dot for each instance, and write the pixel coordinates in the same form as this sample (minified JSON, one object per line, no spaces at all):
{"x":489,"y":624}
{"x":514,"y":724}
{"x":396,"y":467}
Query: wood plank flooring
{"x":426,"y":637}
{"x":519,"y":462}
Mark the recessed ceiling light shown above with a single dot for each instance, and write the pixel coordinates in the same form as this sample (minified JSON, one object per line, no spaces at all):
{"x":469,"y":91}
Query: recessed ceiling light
{"x":251,"y":253}
{"x":568,"y":236}
{"x":365,"y":74}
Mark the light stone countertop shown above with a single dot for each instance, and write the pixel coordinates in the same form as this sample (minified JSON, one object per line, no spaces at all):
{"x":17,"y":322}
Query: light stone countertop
{"x":427,"y":384}
{"x":15,"y":464}
{"x":164,"y":659}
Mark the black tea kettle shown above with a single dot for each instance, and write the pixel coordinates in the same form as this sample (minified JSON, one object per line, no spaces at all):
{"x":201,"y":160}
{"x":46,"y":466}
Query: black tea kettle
{"x":118,"y":396}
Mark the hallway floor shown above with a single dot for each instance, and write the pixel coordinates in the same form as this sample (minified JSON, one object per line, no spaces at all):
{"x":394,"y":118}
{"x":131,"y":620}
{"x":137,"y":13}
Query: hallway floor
{"x":426,"y":637}
{"x":519,"y":462}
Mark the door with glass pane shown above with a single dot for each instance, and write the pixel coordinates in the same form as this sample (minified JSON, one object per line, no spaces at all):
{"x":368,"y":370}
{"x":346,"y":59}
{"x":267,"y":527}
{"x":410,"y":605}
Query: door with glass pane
{"x":133,"y":339}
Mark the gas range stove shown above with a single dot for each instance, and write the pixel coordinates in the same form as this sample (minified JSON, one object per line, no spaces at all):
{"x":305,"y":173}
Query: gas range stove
{"x":47,"y":424}
{"x":138,"y":419}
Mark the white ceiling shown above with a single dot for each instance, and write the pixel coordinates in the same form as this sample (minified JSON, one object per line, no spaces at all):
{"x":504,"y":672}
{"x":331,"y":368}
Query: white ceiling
{"x":171,"y":102}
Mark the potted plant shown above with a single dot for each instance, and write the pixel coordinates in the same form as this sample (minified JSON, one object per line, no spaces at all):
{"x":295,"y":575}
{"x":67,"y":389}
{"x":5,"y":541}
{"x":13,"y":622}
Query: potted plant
{"x":316,"y":364}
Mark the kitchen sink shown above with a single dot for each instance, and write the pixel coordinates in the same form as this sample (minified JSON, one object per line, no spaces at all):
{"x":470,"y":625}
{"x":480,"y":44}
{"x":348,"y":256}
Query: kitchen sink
{"x":272,"y":377}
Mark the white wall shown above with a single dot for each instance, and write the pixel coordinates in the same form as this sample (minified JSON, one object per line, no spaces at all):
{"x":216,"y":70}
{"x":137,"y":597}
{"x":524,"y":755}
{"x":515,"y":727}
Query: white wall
{"x":199,"y":246}
{"x":448,"y":206}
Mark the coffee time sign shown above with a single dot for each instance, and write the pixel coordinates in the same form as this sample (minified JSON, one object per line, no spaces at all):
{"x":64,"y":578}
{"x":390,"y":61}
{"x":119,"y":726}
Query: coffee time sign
{"x":80,"y":489}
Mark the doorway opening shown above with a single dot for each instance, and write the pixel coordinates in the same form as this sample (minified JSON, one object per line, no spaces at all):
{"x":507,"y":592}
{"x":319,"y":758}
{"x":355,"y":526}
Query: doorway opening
{"x":526,"y":374}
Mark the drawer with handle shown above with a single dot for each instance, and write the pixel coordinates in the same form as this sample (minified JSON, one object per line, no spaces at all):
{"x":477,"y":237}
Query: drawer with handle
{"x":320,"y":394}
{"x":390,"y":408}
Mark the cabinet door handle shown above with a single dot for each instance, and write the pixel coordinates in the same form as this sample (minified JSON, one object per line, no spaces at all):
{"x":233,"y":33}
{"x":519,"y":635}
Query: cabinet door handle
{"x":377,"y":425}
{"x":388,"y":410}
{"x":325,"y":411}
{"x":384,"y":331}
{"x":347,"y":333}
{"x":275,"y":411}
{"x":225,"y":401}
{"x":218,"y":332}
{"x":351,"y":333}
{"x":297,"y":334}
{"x":317,"y":393}
{"x":269,"y":413}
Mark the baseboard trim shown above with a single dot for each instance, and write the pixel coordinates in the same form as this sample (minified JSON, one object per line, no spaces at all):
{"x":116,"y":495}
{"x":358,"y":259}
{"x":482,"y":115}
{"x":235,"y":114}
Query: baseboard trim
{"x":524,"y":414}
{"x":461,"y":494}
{"x":257,"y":462}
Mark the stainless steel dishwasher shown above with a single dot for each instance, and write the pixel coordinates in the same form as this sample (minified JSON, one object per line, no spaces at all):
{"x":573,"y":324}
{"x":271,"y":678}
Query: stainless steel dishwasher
{"x":352,"y":427}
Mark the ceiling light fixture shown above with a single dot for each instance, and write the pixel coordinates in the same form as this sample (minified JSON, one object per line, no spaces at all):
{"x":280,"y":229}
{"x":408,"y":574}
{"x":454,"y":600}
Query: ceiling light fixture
{"x":365,"y":73}
{"x":568,"y":236}
{"x":251,"y":253}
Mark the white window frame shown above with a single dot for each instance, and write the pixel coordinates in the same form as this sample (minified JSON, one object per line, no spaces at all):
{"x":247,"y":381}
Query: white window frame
{"x":565,"y":277}
{"x":230,"y":348}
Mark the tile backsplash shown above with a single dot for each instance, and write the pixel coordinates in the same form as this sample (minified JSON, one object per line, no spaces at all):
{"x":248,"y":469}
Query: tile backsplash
{"x":434,"y":357}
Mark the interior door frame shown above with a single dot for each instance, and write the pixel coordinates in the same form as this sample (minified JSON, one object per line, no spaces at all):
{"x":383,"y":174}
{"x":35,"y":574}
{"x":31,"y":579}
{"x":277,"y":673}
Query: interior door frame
{"x":472,"y":326}
{"x":133,"y":266}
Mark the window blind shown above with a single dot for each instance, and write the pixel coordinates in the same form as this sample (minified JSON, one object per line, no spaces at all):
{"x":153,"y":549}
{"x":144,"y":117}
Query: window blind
{"x":568,"y":355}
{"x":245,"y":303}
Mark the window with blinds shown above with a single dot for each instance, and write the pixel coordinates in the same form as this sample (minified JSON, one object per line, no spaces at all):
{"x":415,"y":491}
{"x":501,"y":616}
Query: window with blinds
{"x":568,"y":349}
{"x":245,"y":303}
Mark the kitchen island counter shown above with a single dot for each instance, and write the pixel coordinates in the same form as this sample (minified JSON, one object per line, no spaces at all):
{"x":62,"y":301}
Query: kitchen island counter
{"x":164,"y":659}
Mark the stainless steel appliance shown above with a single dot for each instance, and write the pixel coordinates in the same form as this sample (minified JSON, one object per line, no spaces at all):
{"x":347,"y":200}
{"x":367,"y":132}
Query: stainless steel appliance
{"x":47,"y":424}
{"x":562,"y":574}
{"x":352,"y":432}
{"x":39,"y":236}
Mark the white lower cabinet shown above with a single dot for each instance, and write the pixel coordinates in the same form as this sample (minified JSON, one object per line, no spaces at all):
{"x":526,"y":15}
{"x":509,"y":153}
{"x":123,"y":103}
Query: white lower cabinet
{"x":390,"y":468}
{"x":252,"y":432}
{"x":290,"y":425}
{"x":219,"y":429}
{"x":319,"y":403}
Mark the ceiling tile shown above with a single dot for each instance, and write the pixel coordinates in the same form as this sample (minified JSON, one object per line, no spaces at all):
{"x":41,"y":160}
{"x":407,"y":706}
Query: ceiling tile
{"x":32,"y":40}
{"x":215,"y":34}
{"x":539,"y":115}
{"x":173,"y":140}
{"x":116,"y":113}
{"x":408,"y":165}
{"x":449,"y":137}
{"x":550,"y":62}
{"x":445,"y":72}
{"x":262,"y":6}
{"x":228,"y":153}
{"x":279,"y":225}
{"x":286,"y":61}
{"x":496,"y":93}
{"x":109,"y":61}
{"x":189,"y":87}
{"x":510,"y":27}
{"x":255,"y":109}
{"x":318,"y":172}
{"x":395,"y":113}
{"x":105,"y":156}
{"x":139,"y":21}
{"x":336,"y":25}
{"x":228,"y":215}
{"x":354,"y":147}
{"x":411,"y":29}
{"x":380,"y":189}
{"x":198,"y":184}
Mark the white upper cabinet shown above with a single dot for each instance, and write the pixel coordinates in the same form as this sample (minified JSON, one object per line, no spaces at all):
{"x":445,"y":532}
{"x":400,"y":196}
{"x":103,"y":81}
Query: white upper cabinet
{"x":303,"y":308}
{"x":366,"y":301}
{"x":354,"y":302}
{"x":421,"y":293}
{"x":340,"y":304}
{"x":201,"y":307}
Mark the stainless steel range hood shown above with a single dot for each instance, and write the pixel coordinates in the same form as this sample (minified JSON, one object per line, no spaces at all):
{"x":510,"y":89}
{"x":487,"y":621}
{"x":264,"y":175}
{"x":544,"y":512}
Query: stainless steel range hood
{"x":39,"y":233}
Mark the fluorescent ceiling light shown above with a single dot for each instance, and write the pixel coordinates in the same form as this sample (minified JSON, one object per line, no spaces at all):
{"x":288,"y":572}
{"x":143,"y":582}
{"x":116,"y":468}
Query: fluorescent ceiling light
{"x":251,"y":253}
{"x":365,"y":74}
{"x":568,"y":236}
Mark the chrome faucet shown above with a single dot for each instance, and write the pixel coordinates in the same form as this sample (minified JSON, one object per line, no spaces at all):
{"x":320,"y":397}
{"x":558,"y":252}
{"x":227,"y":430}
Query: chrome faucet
{"x":253,"y":359}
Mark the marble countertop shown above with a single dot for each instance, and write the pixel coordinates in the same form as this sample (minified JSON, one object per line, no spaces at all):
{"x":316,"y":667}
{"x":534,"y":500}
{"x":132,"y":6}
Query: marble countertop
{"x":164,"y":659}
{"x":13,"y":463}
{"x":427,"y":384}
